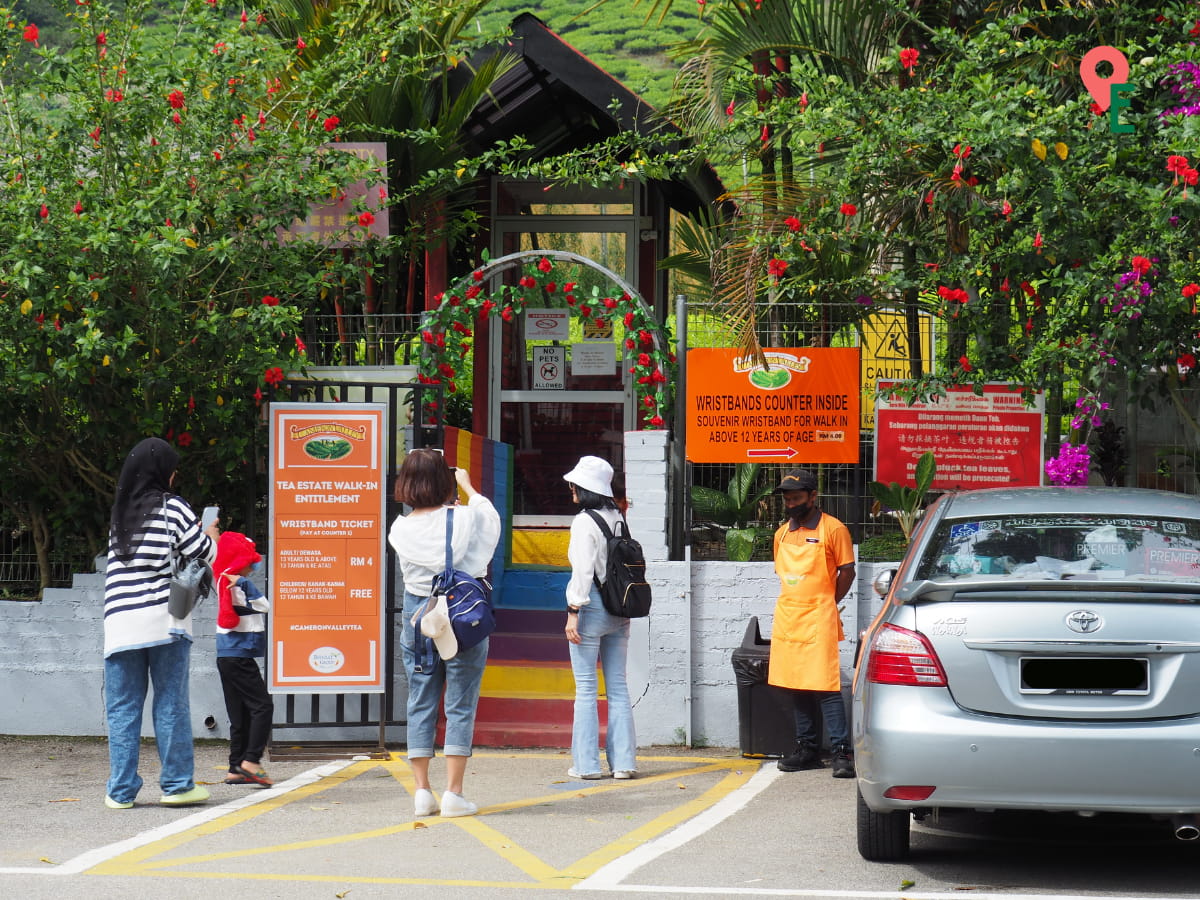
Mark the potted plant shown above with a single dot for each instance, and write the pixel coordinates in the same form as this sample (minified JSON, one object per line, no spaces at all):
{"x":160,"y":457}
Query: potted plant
{"x":904,"y":502}
{"x":735,"y":508}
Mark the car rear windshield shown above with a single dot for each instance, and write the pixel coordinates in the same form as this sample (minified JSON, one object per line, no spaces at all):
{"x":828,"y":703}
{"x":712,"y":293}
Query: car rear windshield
{"x":1092,"y":547}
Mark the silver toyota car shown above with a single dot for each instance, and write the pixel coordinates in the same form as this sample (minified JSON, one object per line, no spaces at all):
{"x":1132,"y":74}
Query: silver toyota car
{"x":1037,"y":649}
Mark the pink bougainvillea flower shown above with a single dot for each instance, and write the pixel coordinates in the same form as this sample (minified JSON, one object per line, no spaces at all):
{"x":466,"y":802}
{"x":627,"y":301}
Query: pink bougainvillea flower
{"x":175,"y":98}
{"x":366,"y":220}
{"x":776,"y":268}
{"x":544,"y":264}
{"x":792,"y":223}
{"x":909,"y":58}
{"x":331,"y":123}
{"x":848,"y":209}
{"x":31,"y":34}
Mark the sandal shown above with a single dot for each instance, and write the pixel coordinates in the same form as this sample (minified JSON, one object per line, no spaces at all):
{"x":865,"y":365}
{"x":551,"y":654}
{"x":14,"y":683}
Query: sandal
{"x":259,"y":777}
{"x":233,"y":778}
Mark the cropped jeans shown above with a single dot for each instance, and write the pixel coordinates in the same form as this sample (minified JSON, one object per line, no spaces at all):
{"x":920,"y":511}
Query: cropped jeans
{"x":833,"y":711}
{"x":127,"y":676}
{"x":428,"y":675}
{"x":603,"y":637}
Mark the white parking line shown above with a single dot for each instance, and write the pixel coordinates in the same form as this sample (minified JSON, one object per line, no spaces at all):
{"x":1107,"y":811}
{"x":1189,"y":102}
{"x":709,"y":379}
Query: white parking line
{"x":610,"y":877}
{"x":91,"y":858}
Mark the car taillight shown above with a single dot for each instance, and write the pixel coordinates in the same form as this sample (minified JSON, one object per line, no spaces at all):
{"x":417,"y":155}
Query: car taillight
{"x":900,"y":656}
{"x":916,"y":792}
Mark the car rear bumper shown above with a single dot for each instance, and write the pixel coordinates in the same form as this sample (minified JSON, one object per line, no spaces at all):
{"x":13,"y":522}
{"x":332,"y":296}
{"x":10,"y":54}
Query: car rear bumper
{"x":919,"y":736}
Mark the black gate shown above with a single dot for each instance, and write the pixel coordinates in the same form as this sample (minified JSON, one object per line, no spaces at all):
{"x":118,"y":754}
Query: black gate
{"x":323,"y":712}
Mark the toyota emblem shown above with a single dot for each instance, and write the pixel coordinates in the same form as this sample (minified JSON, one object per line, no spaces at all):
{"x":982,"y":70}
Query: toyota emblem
{"x":1084,"y":621}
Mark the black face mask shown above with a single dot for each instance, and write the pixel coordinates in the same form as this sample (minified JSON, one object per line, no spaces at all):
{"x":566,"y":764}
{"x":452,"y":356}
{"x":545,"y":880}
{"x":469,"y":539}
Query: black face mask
{"x":799,"y":513}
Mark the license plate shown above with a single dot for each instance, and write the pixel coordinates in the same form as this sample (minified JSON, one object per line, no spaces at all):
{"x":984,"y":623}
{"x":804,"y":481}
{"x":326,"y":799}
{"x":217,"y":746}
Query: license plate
{"x":1084,"y":675}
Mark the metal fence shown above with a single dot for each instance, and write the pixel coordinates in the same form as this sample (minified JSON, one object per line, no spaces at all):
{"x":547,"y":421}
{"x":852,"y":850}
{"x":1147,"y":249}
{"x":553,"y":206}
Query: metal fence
{"x":360,"y":339}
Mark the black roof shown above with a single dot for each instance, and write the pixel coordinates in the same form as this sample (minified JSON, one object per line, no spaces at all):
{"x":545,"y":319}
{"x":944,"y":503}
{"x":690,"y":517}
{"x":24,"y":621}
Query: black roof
{"x":559,"y":100}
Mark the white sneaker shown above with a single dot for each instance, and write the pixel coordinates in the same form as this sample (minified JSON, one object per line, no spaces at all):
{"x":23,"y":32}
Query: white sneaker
{"x":625,"y":773}
{"x":455,"y":805}
{"x":590,"y":776}
{"x":424,"y":803}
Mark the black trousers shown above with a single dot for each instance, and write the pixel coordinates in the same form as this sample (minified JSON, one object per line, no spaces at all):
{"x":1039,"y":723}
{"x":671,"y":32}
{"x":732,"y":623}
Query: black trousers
{"x":249,"y":707}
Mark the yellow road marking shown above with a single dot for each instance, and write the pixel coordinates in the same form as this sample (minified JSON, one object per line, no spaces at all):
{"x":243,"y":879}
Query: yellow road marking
{"x":148,"y":861}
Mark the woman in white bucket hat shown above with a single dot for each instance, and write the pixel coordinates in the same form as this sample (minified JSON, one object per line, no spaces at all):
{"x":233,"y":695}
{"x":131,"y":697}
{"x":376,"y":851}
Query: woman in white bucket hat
{"x":594,"y":634}
{"x":427,"y":484}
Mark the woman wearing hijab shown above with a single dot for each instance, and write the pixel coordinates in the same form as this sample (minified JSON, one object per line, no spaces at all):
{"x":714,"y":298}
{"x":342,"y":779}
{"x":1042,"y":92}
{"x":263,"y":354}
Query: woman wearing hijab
{"x":143,"y":643}
{"x":594,"y":634}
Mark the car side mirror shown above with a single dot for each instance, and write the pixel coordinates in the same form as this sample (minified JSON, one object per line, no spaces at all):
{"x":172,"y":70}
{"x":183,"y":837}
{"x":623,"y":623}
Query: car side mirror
{"x":883,"y":581}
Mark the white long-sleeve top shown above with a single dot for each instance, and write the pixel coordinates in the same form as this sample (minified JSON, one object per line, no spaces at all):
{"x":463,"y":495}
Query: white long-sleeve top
{"x":587,"y":552}
{"x":420,"y":542}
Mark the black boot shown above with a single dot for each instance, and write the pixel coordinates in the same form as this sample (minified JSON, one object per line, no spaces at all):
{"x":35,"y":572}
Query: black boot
{"x":843,"y":762}
{"x":804,"y":757}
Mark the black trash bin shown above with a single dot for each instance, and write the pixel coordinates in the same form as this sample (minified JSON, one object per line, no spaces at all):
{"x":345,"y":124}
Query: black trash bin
{"x":766,"y":719}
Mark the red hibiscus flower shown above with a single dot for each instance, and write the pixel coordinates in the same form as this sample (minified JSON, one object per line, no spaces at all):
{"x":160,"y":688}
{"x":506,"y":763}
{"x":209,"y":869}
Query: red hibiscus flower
{"x":964,"y":363}
{"x":300,"y":45}
{"x":848,"y":209}
{"x":184,"y":439}
{"x":1186,"y":362}
{"x":269,"y":300}
{"x":792,"y":223}
{"x":1191,"y":290}
{"x":273,"y":375}
{"x":331,"y":123}
{"x":909,"y":58}
{"x":44,"y":212}
{"x":366,"y":220}
{"x":1140,"y":264}
{"x":31,"y":34}
{"x":301,"y":347}
{"x":776,"y":268}
{"x":175,"y":98}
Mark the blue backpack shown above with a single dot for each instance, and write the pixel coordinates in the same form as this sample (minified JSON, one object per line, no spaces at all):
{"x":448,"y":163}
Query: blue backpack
{"x":468,"y":599}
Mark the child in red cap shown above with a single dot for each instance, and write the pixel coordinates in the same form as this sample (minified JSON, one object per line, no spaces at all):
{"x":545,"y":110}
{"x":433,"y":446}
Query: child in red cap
{"x":241,"y":641}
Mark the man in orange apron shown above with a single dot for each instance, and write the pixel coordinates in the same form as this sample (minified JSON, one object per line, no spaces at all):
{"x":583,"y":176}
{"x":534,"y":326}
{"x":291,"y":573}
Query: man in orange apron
{"x":814,"y":559}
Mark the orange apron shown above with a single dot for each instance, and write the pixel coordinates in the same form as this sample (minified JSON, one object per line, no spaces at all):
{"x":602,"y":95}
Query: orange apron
{"x":807,"y":626}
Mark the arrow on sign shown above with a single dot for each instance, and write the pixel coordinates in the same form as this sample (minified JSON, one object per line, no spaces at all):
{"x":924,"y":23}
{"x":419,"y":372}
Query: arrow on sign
{"x":789,"y":452}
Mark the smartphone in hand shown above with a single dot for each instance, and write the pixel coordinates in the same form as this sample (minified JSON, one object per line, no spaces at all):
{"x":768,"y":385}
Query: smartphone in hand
{"x":209,"y":516}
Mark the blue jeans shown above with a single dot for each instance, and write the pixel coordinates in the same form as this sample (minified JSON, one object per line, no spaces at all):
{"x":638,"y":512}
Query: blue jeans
{"x":428,"y":675}
{"x":833,"y":709}
{"x":126,"y":677}
{"x":603,"y":637}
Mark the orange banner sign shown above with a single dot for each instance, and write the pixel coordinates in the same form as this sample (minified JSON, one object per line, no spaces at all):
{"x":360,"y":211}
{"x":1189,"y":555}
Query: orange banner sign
{"x":327,"y":552}
{"x":802,"y":407}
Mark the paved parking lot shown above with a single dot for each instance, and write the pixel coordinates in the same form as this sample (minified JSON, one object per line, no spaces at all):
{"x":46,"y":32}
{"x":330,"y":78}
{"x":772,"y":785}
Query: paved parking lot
{"x":697,"y":822}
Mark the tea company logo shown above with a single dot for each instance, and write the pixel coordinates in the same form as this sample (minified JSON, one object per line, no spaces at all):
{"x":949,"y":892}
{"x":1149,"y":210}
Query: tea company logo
{"x":776,"y":374}
{"x":328,"y":441}
{"x":326,"y":660}
{"x":1107,"y":91}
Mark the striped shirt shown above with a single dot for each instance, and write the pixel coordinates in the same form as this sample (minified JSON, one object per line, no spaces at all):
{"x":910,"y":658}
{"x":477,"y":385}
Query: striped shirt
{"x":136,"y":590}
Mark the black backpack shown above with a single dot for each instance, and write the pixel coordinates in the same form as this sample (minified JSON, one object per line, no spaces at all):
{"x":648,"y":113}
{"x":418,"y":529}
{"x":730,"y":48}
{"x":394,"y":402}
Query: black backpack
{"x":625,"y":591}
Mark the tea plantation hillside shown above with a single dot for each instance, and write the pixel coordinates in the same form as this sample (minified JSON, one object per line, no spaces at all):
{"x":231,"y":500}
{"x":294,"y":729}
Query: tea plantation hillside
{"x":615,"y":36}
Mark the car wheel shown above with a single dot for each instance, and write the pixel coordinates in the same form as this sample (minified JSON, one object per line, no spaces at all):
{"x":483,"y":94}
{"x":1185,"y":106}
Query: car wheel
{"x":882,"y":836}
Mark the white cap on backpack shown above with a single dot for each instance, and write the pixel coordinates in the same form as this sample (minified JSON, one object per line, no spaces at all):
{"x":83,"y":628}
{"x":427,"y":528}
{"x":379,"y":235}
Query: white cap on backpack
{"x":435,"y":624}
{"x":592,"y":474}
